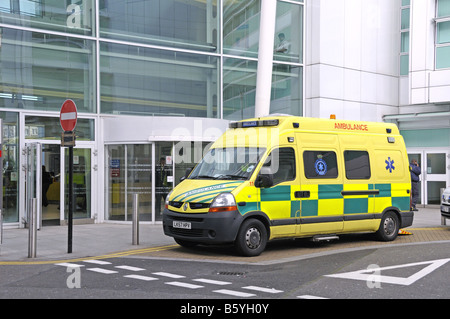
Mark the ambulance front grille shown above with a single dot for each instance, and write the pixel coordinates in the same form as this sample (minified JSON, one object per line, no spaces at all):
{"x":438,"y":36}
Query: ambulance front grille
{"x":186,"y":232}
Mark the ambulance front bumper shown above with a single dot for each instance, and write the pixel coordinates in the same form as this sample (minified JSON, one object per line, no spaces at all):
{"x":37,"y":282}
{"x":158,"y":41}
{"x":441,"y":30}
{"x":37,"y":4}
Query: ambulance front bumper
{"x":207,"y":228}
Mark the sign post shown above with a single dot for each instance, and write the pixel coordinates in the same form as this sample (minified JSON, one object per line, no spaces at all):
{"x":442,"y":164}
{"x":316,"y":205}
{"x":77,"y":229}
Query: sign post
{"x":68,"y":120}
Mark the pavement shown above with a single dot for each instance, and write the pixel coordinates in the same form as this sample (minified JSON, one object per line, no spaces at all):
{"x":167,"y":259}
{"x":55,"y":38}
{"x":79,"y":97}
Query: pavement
{"x":108,"y":240}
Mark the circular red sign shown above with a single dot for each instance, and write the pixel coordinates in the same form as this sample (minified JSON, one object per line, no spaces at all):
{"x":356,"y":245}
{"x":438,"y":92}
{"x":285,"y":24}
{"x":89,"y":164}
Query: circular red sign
{"x":68,"y":115}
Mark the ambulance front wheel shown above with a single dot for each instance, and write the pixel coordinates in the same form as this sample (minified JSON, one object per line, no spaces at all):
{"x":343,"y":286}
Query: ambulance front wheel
{"x":389,"y":227}
{"x":252,"y":238}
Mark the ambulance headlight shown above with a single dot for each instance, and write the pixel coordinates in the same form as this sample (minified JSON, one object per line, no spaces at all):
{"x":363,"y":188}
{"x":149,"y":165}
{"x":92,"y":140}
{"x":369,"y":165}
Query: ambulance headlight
{"x":166,"y":203}
{"x":223,"y":203}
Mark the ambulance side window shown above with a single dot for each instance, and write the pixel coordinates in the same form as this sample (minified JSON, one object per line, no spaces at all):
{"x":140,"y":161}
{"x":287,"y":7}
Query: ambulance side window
{"x":357,"y":164}
{"x":320,"y":164}
{"x":281,"y":163}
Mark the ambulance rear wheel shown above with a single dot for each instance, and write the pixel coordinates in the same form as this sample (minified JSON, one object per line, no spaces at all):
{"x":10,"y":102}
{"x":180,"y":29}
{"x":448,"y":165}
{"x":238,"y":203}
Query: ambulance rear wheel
{"x":389,"y":227}
{"x":252,"y":238}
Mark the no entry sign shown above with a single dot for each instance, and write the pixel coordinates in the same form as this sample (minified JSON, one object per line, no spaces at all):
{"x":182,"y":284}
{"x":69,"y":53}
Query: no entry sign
{"x":68,"y":116}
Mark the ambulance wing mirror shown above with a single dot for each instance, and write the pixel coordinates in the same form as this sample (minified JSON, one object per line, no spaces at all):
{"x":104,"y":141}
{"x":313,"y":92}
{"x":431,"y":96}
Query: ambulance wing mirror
{"x":264,"y":179}
{"x":186,"y":174}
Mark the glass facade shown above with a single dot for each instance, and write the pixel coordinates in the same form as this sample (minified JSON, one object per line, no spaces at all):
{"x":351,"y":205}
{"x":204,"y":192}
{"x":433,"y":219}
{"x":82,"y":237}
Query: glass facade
{"x":404,"y":36}
{"x":181,"y":58}
{"x":148,"y":57}
{"x":443,"y":34}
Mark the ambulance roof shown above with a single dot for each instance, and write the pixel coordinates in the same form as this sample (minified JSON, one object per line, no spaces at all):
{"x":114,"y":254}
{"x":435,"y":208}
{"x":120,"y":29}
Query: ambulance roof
{"x":265,"y":131}
{"x":286,"y":122}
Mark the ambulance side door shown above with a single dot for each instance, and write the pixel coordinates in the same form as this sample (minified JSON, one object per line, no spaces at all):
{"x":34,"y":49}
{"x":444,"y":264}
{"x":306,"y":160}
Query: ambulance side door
{"x":359,"y":182}
{"x":321,"y":184}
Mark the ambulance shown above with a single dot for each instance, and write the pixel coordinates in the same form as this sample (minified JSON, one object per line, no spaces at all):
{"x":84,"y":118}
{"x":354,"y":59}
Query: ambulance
{"x":292,"y":177}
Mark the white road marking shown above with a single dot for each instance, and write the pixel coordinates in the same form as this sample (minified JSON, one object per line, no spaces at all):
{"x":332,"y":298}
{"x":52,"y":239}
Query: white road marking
{"x":145,"y":278}
{"x":310,"y":297}
{"x":373,"y":274}
{"x":131,"y":268}
{"x":213,"y":282}
{"x":69,"y":265}
{"x":166,"y":274}
{"x":234,"y":293}
{"x":268,"y":290}
{"x":183,"y":284}
{"x":102,"y":271}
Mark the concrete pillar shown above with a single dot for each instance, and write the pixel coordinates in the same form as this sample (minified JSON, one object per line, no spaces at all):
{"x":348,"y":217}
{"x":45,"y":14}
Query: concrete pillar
{"x":265,"y":57}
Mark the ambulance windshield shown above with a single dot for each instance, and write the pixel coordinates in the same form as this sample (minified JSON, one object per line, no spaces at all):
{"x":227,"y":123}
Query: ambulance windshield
{"x":234,"y":163}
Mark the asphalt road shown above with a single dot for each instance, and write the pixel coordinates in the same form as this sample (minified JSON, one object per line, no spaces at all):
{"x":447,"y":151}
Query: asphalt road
{"x":411,"y":271}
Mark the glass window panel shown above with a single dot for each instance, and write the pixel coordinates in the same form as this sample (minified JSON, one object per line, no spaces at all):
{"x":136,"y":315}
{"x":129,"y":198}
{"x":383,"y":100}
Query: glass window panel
{"x":139,"y":172}
{"x":404,"y":64}
{"x":406,"y":2}
{"x":357,"y":165}
{"x":76,"y":17}
{"x":443,"y":8}
{"x":436,"y":163}
{"x":40,"y":71}
{"x":241,"y":27}
{"x":287,"y":89}
{"x":443,"y":32}
{"x":147,"y":81}
{"x":188,"y":24}
{"x":49,"y":128}
{"x":320,"y":164}
{"x":289,"y":32}
{"x":239,"y":88}
{"x":434,"y":192}
{"x":404,"y":42}
{"x":115,"y":175}
{"x":81,"y":183}
{"x":443,"y":57}
{"x":11,"y":165}
{"x":405,"y":19}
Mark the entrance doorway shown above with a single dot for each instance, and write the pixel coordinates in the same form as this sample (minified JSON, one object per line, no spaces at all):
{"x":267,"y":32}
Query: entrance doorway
{"x":45,"y":180}
{"x":434,"y":176}
{"x":51,"y":184}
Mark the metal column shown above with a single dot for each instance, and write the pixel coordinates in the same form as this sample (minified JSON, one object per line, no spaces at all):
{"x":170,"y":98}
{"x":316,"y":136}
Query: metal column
{"x":135,"y":232}
{"x":265,"y":57}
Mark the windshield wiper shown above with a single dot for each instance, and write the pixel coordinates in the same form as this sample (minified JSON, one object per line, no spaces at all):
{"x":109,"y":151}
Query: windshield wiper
{"x":202,"y":177}
{"x":230,"y":176}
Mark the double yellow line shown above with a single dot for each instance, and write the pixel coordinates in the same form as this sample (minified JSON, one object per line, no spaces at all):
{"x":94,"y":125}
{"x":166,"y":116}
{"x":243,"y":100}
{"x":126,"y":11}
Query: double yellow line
{"x":112,"y":255}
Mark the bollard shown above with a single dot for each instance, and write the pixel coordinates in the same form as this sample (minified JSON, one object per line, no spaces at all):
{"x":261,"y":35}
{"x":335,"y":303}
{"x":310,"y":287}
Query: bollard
{"x":135,"y":219}
{"x":32,"y":228}
{"x":1,"y":227}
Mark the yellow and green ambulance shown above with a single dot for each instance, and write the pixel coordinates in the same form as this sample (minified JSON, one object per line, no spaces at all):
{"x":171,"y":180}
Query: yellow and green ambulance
{"x":291,"y":177}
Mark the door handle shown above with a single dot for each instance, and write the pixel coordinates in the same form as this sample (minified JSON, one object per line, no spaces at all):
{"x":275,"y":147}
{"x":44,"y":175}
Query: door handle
{"x":302,"y":194}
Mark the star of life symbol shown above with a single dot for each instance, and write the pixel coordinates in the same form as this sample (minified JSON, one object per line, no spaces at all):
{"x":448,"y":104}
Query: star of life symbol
{"x":389,"y":165}
{"x":321,"y":167}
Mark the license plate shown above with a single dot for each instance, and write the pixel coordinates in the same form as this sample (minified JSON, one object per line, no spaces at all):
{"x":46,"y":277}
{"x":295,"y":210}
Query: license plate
{"x":445,"y":209}
{"x":184,"y":225}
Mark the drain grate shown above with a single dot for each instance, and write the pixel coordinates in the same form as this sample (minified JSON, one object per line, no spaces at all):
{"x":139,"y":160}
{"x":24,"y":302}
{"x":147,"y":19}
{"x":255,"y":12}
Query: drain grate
{"x":231,"y":273}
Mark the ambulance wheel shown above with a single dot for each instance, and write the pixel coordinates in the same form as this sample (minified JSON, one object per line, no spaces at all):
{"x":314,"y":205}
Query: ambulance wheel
{"x":389,"y":227}
{"x":252,"y":238}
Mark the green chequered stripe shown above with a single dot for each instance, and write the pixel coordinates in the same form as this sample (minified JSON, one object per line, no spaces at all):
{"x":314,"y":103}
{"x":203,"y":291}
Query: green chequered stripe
{"x":277,"y":193}
{"x":310,"y":207}
{"x":330,"y":191}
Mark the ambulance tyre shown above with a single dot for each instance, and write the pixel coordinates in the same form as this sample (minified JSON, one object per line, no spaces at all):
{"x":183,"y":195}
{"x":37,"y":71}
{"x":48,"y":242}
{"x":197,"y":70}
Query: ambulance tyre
{"x":389,"y":227}
{"x":251,"y":239}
